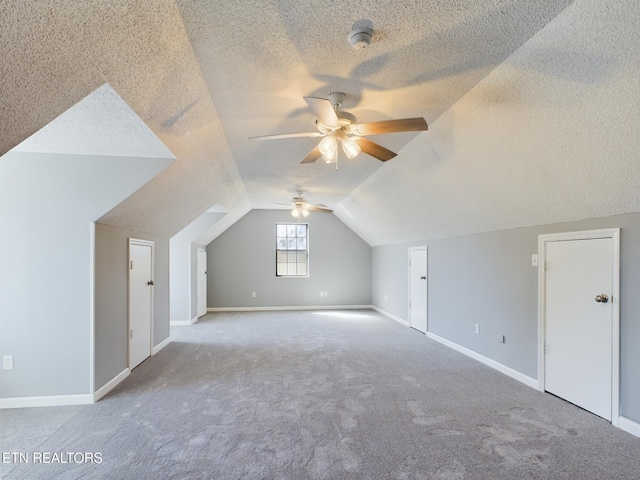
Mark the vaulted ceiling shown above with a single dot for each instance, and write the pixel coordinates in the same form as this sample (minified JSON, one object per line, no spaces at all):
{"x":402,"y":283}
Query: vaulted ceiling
{"x":532,"y":107}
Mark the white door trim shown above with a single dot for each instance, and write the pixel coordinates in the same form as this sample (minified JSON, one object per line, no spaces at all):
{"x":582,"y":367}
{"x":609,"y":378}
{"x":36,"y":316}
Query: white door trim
{"x":199,"y":280}
{"x":614,"y":234}
{"x":409,"y":251}
{"x":144,"y":243}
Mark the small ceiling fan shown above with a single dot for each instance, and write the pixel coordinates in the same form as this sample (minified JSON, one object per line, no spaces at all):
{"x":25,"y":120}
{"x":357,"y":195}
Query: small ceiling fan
{"x":337,"y":126}
{"x":301,"y":207}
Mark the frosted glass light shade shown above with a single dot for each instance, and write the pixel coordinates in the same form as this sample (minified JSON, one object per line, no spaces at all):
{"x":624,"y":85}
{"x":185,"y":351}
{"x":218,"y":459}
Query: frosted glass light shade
{"x":350,"y":147}
{"x":328,"y":147}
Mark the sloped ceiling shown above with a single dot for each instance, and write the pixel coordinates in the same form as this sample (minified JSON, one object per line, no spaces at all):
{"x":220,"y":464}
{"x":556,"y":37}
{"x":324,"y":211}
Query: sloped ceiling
{"x":532,"y":106}
{"x":550,"y":135}
{"x":55,"y":53}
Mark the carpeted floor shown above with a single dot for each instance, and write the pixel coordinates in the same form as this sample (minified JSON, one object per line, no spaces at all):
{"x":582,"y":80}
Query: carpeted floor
{"x":318,"y":395}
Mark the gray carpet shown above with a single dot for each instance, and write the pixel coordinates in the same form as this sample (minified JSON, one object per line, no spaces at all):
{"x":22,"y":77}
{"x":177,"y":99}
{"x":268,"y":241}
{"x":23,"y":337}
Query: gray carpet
{"x":318,"y":395}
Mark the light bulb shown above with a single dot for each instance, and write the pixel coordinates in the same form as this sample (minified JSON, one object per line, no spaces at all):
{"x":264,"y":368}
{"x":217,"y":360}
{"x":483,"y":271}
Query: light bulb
{"x":296,"y":212}
{"x":350,"y":147}
{"x":305,"y":212}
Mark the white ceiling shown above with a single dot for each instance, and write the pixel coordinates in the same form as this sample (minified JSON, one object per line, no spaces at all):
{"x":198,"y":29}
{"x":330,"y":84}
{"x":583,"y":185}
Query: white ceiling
{"x":532,"y":106}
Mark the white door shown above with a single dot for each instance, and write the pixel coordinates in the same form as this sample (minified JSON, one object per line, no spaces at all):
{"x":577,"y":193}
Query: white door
{"x":579,"y":299}
{"x":201,"y":279}
{"x":140,"y":300}
{"x":418,"y":288}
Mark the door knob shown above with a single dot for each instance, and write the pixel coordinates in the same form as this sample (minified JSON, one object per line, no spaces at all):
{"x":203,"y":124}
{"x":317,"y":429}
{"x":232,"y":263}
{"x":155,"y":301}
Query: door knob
{"x":603,"y":298}
{"x":150,"y":282}
{"x":423,"y":278}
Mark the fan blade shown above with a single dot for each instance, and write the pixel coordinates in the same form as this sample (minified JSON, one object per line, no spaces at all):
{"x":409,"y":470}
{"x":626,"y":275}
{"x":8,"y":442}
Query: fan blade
{"x":318,"y":208}
{"x":288,"y":135}
{"x":389,"y":126}
{"x":321,"y":107}
{"x":375,"y":150}
{"x":312,"y":156}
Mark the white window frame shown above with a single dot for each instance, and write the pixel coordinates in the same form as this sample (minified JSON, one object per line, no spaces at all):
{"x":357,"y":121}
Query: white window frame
{"x":287,"y":250}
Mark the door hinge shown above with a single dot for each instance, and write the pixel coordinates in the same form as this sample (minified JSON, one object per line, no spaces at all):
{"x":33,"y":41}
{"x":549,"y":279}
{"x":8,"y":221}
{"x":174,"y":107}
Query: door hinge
{"x":131,"y":266}
{"x":130,"y":334}
{"x":544,"y":348}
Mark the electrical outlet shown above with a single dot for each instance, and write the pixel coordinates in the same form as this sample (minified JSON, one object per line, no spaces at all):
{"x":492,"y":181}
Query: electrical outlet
{"x":386,"y":298}
{"x":253,"y":294}
{"x":7,"y":362}
{"x":477,"y":329}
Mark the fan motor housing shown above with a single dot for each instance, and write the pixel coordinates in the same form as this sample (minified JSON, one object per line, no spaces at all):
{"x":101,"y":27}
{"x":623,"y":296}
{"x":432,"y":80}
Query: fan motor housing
{"x":346,"y":118}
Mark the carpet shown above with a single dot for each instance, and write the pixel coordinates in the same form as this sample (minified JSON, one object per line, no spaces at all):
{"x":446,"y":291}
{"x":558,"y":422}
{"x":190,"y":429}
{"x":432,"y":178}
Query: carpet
{"x":317,"y":395}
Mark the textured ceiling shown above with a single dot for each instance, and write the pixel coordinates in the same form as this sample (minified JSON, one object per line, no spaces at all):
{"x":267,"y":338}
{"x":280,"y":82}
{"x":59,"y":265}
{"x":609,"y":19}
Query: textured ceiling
{"x":99,"y":125}
{"x":532,"y":106}
{"x":55,"y":53}
{"x":551,"y":135}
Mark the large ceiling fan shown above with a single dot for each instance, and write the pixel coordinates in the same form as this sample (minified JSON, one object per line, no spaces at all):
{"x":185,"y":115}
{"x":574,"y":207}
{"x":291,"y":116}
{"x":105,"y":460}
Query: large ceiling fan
{"x":301,"y":207}
{"x":336,"y":127}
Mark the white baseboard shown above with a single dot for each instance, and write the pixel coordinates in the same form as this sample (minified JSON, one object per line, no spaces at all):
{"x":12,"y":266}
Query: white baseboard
{"x":296,"y":307}
{"x":531,"y":382}
{"x":521,"y":377}
{"x":46,"y":401}
{"x":111,"y":384}
{"x":183,"y":323}
{"x":629,"y":426}
{"x":391,"y":316}
{"x":161,"y":345}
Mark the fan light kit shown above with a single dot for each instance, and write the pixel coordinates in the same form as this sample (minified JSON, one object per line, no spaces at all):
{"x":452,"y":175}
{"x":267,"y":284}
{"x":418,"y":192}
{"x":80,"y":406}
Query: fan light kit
{"x":301,"y":207}
{"x":336,"y":126}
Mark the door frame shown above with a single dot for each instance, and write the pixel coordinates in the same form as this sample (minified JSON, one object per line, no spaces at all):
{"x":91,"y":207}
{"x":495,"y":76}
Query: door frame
{"x":144,"y":243}
{"x":426,"y":258}
{"x":199,"y":251}
{"x":614,"y":234}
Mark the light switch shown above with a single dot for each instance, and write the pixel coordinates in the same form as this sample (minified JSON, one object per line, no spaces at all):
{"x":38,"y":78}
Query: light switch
{"x":534,"y":260}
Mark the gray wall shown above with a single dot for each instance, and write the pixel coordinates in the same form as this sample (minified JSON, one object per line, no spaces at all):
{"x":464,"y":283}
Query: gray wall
{"x":45,"y":306}
{"x":488,"y":279}
{"x":242,"y":261}
{"x":182,"y":288}
{"x":111,"y":291}
{"x":47,"y":206}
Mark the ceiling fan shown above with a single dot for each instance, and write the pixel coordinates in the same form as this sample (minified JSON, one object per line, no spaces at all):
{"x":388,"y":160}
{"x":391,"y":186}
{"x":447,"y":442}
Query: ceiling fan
{"x":337,"y":126}
{"x":301,"y":207}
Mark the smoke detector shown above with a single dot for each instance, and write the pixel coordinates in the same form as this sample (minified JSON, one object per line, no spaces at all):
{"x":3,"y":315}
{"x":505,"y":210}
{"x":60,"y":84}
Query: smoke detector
{"x":360,"y":37}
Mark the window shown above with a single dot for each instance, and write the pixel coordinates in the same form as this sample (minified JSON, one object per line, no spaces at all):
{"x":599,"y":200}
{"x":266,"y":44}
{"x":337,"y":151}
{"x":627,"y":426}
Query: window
{"x":292,"y":250}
